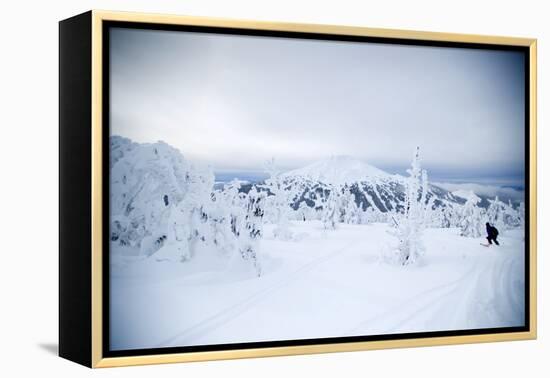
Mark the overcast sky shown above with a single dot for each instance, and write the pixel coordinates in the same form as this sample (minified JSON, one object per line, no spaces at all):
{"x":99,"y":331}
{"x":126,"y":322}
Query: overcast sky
{"x":235,"y":101}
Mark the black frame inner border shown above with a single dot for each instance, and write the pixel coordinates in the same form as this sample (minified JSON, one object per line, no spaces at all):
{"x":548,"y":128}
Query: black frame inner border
{"x":107,"y":25}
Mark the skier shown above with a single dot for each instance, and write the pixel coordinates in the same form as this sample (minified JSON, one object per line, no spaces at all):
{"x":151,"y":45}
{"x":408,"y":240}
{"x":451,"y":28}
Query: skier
{"x":492,"y":234}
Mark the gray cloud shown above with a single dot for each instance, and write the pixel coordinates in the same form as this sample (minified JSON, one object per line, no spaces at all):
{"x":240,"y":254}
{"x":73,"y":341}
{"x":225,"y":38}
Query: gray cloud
{"x":235,"y":101}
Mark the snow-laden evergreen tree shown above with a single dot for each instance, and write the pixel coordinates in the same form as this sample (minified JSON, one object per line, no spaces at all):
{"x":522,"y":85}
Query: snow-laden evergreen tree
{"x":228,"y":215}
{"x":349,"y":212}
{"x":511,"y":216}
{"x":251,"y":235}
{"x":450,"y":216}
{"x":437,"y":217}
{"x":188,"y":222}
{"x":158,"y":199}
{"x":432,"y":215}
{"x":331,"y":213}
{"x":472,"y":224}
{"x":279,"y":204}
{"x":495,"y":214}
{"x":222,"y":237}
{"x":234,"y":203}
{"x":410,"y":225}
{"x":503,"y":215}
{"x":236,"y":221}
{"x":319,"y":201}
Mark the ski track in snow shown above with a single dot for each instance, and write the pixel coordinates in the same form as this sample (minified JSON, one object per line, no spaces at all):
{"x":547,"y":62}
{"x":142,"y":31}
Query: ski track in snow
{"x":493,"y":271}
{"x":473,"y":287}
{"x":408,"y":309}
{"x":501,"y":277}
{"x":231,"y":312}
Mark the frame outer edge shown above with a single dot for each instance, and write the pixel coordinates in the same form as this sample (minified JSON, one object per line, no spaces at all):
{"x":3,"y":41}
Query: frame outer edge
{"x":307,"y":349}
{"x":533,"y":188}
{"x":74,"y":289}
{"x":171,"y":19}
{"x":97,"y":307}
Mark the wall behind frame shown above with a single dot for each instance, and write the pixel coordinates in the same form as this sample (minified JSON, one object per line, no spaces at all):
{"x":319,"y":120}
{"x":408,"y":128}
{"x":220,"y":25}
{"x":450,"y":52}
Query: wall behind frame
{"x":29,"y":156}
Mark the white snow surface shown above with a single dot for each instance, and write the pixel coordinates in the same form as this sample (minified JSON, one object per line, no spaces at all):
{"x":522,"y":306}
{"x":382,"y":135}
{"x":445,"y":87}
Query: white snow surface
{"x":319,"y":284}
{"x":340,"y":170}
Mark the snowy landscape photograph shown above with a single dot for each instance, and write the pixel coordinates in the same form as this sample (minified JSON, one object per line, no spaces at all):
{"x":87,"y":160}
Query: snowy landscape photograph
{"x":267,"y":189}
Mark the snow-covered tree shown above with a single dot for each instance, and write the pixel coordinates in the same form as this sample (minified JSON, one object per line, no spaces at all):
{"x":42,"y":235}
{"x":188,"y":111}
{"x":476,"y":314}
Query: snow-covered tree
{"x":188,"y":221}
{"x":349,"y":212}
{"x":278,"y":205}
{"x":495,"y":213}
{"x":451,"y":216}
{"x":331,"y":208}
{"x":147,"y":182}
{"x":227,"y":216}
{"x":222,"y":236}
{"x":410,"y":225}
{"x":472,"y":224}
{"x":504,"y":216}
{"x":435,"y":217}
{"x":158,"y":199}
{"x":511,"y":216}
{"x":250,"y":237}
{"x":319,"y":203}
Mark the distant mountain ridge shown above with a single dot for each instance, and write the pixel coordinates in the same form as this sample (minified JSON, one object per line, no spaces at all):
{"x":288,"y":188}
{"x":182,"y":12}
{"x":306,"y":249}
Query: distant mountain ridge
{"x":340,"y":170}
{"x":371,"y":186}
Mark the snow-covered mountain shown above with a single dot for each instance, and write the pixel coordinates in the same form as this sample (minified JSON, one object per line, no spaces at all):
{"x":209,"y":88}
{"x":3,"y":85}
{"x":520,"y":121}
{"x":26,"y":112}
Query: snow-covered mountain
{"x":371,"y":186}
{"x":340,"y":170}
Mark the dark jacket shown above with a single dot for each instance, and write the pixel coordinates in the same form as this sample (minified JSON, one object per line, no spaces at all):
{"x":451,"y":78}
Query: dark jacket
{"x":492,"y":232}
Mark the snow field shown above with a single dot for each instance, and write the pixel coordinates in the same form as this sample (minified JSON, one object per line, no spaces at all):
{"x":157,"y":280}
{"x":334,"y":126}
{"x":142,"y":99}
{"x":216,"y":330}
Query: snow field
{"x":322,"y":283}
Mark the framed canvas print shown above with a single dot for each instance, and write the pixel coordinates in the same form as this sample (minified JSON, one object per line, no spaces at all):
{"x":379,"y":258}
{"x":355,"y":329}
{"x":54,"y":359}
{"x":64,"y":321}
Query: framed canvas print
{"x":236,"y":189}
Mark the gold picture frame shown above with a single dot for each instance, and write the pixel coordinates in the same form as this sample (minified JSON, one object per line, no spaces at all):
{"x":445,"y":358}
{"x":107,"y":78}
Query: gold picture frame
{"x":89,"y":329}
